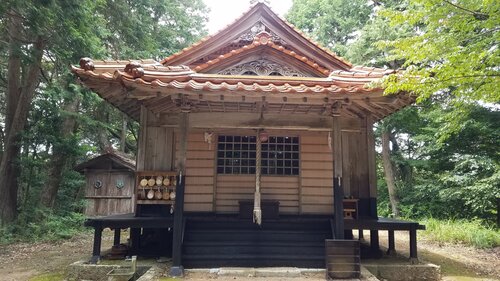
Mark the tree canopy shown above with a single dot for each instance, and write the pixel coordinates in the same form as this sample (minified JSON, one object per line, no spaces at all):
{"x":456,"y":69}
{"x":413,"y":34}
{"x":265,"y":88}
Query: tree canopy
{"x":444,"y":150}
{"x":454,"y":49}
{"x":49,"y":120}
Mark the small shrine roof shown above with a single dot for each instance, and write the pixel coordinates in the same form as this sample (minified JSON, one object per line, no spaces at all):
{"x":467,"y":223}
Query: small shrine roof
{"x":114,"y":159}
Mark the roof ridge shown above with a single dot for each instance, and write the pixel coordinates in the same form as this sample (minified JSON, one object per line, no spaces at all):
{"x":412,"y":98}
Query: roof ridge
{"x":165,"y":60}
{"x":278,"y":18}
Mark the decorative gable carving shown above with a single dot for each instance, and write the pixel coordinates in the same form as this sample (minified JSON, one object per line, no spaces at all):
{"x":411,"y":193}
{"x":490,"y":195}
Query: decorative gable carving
{"x":258,"y":28}
{"x":262,"y":67}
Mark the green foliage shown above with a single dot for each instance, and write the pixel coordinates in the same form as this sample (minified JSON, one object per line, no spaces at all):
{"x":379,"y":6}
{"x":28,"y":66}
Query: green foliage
{"x":447,"y":164}
{"x":39,"y":225}
{"x":454,"y":49}
{"x":469,"y":232}
{"x":333,"y":23}
{"x":103,"y":29}
{"x":150,"y":29}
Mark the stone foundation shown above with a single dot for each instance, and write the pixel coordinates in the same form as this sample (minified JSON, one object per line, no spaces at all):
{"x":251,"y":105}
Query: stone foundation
{"x":405,"y":272}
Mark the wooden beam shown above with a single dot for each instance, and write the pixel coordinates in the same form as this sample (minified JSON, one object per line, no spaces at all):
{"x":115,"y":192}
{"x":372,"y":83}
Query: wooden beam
{"x":367,"y":110}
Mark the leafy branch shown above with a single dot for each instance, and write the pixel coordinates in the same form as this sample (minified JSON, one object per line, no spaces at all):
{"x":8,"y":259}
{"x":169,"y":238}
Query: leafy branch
{"x":477,"y":15}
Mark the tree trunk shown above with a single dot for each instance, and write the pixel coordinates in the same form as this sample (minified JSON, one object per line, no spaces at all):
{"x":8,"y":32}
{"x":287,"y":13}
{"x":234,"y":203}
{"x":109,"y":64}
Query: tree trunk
{"x":389,"y":172}
{"x":20,"y":92}
{"x":103,"y":138}
{"x":59,"y":157}
{"x":123,"y":136}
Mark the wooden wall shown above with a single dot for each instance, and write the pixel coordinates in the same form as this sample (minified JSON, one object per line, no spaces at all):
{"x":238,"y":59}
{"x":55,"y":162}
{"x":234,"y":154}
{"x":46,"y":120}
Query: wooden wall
{"x":355,"y":164}
{"x":309,"y":193}
{"x":232,"y":188}
{"x":200,"y":170}
{"x":109,"y":200}
{"x":156,"y":144}
{"x":316,"y":174}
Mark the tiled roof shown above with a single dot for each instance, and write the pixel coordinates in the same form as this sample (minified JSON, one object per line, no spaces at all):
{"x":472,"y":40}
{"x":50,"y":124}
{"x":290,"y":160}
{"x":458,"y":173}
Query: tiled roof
{"x":181,"y":77}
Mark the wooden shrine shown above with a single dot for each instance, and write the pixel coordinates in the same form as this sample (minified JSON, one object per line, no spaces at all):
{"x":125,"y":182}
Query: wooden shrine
{"x":266,"y":133}
{"x":110,"y":184}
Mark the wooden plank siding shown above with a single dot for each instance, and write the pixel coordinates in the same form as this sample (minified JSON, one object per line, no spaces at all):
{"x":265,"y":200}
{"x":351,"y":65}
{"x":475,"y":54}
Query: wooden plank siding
{"x":316,"y":172}
{"x":355,"y":165}
{"x":200,"y":170}
{"x":310,"y":192}
{"x":231,"y":189}
{"x":158,"y":150}
{"x":109,"y":200}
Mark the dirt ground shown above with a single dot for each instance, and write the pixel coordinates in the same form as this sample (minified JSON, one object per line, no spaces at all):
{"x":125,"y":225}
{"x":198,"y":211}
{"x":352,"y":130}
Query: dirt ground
{"x":458,"y":262}
{"x":47,"y":261}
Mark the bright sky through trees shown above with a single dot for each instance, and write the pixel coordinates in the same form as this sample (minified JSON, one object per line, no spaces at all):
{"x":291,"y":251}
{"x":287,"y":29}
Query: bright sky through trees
{"x":224,"y":12}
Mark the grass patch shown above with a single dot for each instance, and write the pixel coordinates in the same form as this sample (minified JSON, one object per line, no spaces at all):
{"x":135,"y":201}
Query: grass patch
{"x":48,"y":277}
{"x":43,"y":227}
{"x":473,"y":233}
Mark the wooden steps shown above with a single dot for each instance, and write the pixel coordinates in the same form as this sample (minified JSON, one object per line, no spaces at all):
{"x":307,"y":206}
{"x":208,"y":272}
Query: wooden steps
{"x":242,"y":243}
{"x":342,"y":259}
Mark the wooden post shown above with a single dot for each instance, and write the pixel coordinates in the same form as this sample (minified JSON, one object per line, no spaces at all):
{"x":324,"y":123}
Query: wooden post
{"x":360,"y":234}
{"x":116,"y":238}
{"x":135,"y":239}
{"x":372,"y":166}
{"x":391,"y":249}
{"x":96,"y":250}
{"x":413,"y":245}
{"x":338,"y":190}
{"x":374,"y":242}
{"x":177,"y":269}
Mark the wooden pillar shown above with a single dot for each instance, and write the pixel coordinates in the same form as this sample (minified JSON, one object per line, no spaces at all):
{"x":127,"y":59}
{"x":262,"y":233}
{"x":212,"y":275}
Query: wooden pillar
{"x":372,"y":166}
{"x":374,"y":242}
{"x":391,"y":249}
{"x":360,"y":234}
{"x":96,"y":250}
{"x":116,"y":238}
{"x":177,"y":269}
{"x":413,"y":245}
{"x":135,"y":239}
{"x":338,"y":190}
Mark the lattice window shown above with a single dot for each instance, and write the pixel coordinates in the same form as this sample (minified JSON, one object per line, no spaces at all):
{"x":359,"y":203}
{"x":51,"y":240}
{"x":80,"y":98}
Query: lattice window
{"x":280,"y":156}
{"x":237,"y":155}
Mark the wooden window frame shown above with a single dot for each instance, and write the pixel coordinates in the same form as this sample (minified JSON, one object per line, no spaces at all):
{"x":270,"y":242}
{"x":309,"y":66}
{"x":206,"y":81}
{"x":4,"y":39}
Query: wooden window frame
{"x":236,"y":155}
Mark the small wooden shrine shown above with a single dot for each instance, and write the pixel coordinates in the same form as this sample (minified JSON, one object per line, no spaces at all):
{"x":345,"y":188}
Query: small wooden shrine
{"x":262,"y":135}
{"x":110,"y":184}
